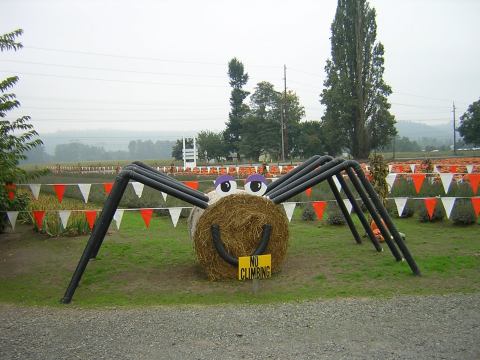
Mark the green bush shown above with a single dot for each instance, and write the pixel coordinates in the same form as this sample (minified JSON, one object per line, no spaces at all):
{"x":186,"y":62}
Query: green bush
{"x":462,"y":213}
{"x":335,"y":217}
{"x":308,"y":214}
{"x":437,"y":215}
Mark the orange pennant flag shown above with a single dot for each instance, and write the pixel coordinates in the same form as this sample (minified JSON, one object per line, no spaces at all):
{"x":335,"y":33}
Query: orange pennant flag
{"x":147,"y":216}
{"x":474,"y":180}
{"x":319,"y":207}
{"x":107,"y":187}
{"x":308,"y":192}
{"x":418,"y":181}
{"x":192,"y":184}
{"x":430,"y":204}
{"x":38,"y":215}
{"x":476,"y":205}
{"x":59,"y":190}
{"x":91,"y":216}
{"x":453,"y":169}
{"x":11,"y":190}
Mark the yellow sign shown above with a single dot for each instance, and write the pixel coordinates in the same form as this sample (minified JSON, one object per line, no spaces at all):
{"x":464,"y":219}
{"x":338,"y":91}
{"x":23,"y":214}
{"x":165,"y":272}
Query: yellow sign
{"x":254,"y":267}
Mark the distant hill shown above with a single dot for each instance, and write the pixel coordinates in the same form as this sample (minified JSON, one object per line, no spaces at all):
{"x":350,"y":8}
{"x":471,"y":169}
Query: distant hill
{"x":417,"y":131}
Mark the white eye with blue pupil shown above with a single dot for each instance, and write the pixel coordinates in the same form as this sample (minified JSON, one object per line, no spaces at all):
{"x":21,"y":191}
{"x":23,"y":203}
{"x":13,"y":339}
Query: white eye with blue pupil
{"x":256,"y":185}
{"x":225,"y":185}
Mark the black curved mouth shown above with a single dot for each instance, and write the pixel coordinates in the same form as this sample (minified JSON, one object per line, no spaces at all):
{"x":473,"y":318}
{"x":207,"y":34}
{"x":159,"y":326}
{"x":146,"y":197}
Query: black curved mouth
{"x":217,"y":242}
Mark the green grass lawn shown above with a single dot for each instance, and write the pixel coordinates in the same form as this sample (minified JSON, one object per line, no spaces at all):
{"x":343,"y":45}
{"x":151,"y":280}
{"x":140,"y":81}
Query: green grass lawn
{"x":139,"y":266}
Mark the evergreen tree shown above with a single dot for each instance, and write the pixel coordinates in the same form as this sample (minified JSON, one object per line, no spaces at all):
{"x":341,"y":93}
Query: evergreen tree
{"x":357,"y":113}
{"x":238,"y":78}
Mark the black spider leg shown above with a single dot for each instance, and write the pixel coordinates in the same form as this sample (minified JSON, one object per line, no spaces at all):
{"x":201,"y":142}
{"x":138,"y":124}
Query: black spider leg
{"x":146,"y":176}
{"x":225,"y":255}
{"x":307,"y":167}
{"x":373,"y":204}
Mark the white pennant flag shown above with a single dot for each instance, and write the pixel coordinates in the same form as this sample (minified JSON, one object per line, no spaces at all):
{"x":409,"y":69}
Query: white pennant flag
{"x":256,"y":169}
{"x":237,"y":169}
{"x":164,"y":169}
{"x":64,"y":216}
{"x":391,"y":179}
{"x":448,"y":203}
{"x":35,"y":190}
{"x":390,"y":167}
{"x":138,"y":188}
{"x":337,"y":184}
{"x":175,"y":214}
{"x":446,"y":180}
{"x":435,"y":169}
{"x":289,"y":208}
{"x":208,"y":169}
{"x":164,"y":195}
{"x":12,"y":217}
{"x":118,"y":217}
{"x":268,"y":168}
{"x":348,"y":205}
{"x":400,"y":202}
{"x":412,"y":167}
{"x":85,"y":190}
{"x":280,"y":168}
{"x":469,"y":169}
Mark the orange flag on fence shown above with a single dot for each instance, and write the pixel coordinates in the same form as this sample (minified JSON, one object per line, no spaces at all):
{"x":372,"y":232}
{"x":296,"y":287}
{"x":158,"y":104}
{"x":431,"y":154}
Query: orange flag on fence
{"x":308,"y":192}
{"x":476,"y":205}
{"x":38,"y":215}
{"x":11,"y":190}
{"x":192,"y":184}
{"x":474,"y":180}
{"x":147,"y":216}
{"x":430,"y":205}
{"x":59,"y":190}
{"x":319,"y":207}
{"x":91,"y":216}
{"x":418,"y":181}
{"x":107,"y":187}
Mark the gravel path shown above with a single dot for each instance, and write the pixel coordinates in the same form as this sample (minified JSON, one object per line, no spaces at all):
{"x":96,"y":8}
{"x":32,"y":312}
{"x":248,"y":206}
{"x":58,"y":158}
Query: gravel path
{"x":431,"y":327}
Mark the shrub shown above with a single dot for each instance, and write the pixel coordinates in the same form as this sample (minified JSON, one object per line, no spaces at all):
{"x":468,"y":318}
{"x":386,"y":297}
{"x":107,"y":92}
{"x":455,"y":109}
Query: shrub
{"x":335,"y":217}
{"x":462,"y":213}
{"x":308,"y":214}
{"x":437,"y":215}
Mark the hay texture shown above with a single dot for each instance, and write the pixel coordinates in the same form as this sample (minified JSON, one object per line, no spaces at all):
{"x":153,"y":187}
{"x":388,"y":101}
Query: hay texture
{"x":240,"y":217}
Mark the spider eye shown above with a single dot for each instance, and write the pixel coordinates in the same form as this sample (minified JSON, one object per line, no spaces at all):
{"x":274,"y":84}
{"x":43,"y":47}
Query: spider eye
{"x":256,"y":185}
{"x":225,"y":185}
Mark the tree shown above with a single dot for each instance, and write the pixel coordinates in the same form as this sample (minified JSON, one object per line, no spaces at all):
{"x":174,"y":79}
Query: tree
{"x":177,"y":150}
{"x":469,"y":127}
{"x":17,"y":136}
{"x":260,"y":132}
{"x":355,"y":95}
{"x":311,"y":139}
{"x":238,"y":78}
{"x":261,"y":128}
{"x":210,"y":145}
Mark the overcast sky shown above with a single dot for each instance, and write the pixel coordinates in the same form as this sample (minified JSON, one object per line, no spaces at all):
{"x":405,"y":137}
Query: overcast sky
{"x":162,"y":65}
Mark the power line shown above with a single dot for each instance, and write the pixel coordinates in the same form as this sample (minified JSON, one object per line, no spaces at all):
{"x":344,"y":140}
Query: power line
{"x":112,"y":80}
{"x":115,"y":109}
{"x":112,"y":70}
{"x":92,"y":53}
{"x":159,"y":120}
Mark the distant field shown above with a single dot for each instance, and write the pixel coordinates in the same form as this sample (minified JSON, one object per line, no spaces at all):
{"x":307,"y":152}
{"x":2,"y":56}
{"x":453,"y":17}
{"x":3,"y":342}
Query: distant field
{"x":168,"y":162}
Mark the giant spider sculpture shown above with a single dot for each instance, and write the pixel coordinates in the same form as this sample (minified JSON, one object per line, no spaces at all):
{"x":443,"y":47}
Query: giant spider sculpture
{"x":311,"y":172}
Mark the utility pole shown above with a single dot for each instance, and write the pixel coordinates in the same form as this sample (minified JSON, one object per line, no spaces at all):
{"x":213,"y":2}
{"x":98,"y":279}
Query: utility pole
{"x":454,"y":131}
{"x":285,"y":120}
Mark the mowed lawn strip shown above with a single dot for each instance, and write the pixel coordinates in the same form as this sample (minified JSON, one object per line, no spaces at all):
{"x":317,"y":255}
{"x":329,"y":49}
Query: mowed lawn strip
{"x":140,"y":266}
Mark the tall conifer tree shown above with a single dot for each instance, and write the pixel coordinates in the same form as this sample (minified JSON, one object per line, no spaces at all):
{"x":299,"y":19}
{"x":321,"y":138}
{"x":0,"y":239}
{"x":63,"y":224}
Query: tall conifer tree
{"x":357,"y":113}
